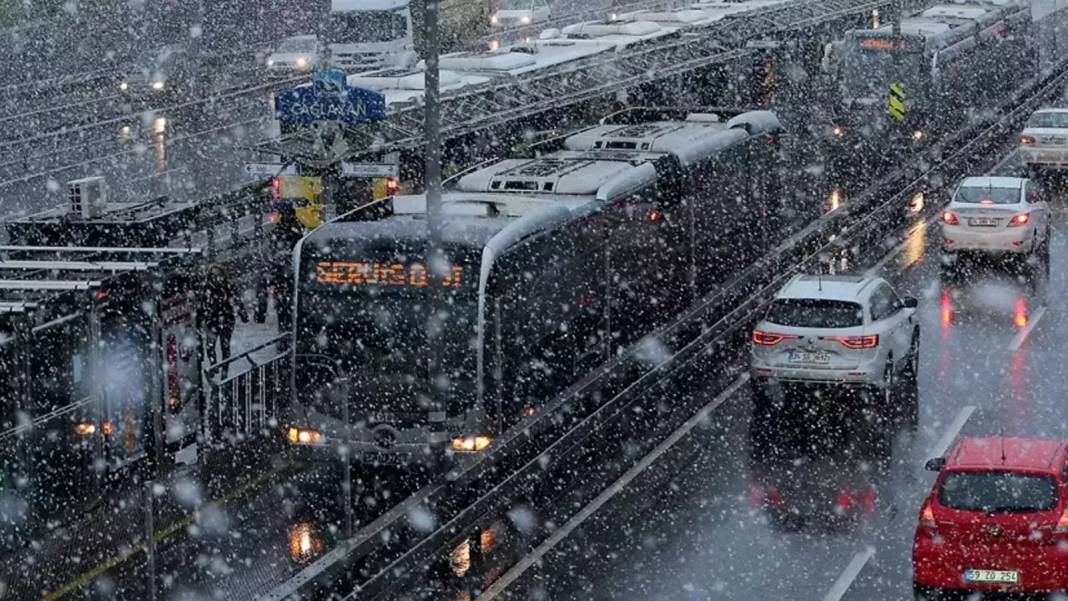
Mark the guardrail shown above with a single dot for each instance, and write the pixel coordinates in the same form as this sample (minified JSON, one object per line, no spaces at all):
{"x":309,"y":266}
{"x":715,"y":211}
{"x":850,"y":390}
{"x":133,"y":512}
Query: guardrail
{"x":364,"y":563}
{"x":246,"y":404}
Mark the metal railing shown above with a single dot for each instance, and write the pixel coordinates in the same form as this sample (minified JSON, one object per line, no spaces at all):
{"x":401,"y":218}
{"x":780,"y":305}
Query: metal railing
{"x":247,"y":404}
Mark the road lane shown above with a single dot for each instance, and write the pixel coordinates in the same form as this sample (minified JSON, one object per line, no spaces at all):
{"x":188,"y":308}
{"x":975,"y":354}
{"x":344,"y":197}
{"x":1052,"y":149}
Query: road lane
{"x":707,"y":542}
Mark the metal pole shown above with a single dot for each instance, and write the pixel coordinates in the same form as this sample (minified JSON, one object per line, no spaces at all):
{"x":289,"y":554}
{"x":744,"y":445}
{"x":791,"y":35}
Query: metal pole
{"x":150,"y":540}
{"x":432,"y":156}
{"x":346,"y":458}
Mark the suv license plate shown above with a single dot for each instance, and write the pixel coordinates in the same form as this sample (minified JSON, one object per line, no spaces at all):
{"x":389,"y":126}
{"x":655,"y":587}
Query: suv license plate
{"x":818,"y":357}
{"x":994,"y":576}
{"x":378,"y":458}
{"x":982,"y":222}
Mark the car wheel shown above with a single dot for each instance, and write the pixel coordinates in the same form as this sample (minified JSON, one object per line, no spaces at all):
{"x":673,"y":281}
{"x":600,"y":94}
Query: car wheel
{"x":925,"y":593}
{"x":888,"y":387}
{"x":910,"y":383}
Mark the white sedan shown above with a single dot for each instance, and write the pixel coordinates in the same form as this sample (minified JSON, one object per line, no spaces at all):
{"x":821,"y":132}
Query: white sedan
{"x":517,"y":13}
{"x":1006,"y":216}
{"x":842,"y":331}
{"x":1044,"y":141}
{"x":298,"y":54}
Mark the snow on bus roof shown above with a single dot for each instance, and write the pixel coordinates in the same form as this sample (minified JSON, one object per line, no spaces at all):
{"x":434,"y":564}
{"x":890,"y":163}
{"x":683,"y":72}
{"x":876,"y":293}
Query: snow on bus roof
{"x":366,"y":5}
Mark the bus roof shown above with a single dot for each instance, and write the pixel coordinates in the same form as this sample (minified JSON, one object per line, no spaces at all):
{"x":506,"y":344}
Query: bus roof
{"x":366,"y":5}
{"x":554,"y":176}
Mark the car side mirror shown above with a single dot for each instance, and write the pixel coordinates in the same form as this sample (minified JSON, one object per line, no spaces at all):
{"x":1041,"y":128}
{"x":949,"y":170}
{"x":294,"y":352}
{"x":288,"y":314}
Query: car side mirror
{"x":935,"y":464}
{"x":910,"y":302}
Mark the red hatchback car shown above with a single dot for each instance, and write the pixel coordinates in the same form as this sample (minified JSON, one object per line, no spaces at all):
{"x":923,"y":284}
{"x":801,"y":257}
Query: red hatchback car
{"x":996,"y":520}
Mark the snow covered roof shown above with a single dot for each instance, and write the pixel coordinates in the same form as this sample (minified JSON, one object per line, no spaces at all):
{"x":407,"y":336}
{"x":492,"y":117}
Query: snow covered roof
{"x":828,"y":287}
{"x":366,"y":5}
{"x":548,"y":176}
{"x":992,"y":182}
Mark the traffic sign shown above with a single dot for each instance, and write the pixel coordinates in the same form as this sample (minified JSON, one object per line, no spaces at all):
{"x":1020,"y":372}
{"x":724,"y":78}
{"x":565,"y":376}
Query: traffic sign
{"x":895,"y":104}
{"x":329,"y":99}
{"x":270,"y":169}
{"x":369,"y":170}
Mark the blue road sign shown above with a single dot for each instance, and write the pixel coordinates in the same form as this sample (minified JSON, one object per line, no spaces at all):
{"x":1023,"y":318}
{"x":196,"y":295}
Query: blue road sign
{"x":329,"y":98}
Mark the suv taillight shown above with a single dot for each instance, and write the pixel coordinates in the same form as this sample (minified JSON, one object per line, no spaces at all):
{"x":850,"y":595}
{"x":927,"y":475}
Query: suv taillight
{"x":855,"y":342}
{"x":770,"y":338}
{"x":950,"y":218}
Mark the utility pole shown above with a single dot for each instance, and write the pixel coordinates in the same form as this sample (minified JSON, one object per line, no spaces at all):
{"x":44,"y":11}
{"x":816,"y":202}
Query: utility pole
{"x":435,"y":262}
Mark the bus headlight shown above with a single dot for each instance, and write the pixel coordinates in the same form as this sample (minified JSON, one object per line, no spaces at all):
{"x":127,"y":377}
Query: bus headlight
{"x":297,"y":435}
{"x":124,"y":86}
{"x":470,"y":443}
{"x":157,"y":85}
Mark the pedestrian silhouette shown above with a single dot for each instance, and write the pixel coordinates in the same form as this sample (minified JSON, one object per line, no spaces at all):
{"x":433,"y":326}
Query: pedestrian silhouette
{"x":219,"y":303}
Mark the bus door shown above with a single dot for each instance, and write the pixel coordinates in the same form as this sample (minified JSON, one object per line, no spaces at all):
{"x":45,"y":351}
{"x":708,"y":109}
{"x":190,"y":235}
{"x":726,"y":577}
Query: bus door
{"x":128,"y":370}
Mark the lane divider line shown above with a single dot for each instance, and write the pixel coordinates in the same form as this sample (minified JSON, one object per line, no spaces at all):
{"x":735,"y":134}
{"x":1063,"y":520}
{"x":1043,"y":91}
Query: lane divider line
{"x":1022,"y":335}
{"x":501,"y":584}
{"x":849,"y":574}
{"x":942,"y":446}
{"x":159,"y":537}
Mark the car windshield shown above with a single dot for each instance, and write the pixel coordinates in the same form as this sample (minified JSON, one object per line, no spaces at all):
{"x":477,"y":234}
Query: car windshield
{"x":297,"y":45}
{"x":517,"y":4}
{"x":1048,"y":119}
{"x":988,"y":196}
{"x":998,"y":492}
{"x":815,"y":313}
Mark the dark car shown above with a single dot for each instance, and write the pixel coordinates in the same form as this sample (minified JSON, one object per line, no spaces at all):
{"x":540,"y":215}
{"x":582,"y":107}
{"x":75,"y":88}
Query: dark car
{"x":164,"y":70}
{"x":819,"y":493}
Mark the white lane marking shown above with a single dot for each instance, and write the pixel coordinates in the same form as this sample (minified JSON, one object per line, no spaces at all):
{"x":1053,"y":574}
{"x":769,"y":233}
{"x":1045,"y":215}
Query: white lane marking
{"x":1026,"y":331}
{"x":848,"y":575}
{"x":1002,"y":162}
{"x":942,"y":446}
{"x":502,"y":583}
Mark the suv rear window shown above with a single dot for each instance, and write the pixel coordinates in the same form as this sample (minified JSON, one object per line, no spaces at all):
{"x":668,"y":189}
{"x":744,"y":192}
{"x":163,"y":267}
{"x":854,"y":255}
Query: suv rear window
{"x":998,"y":492}
{"x":997,"y":196}
{"x":815,"y":313}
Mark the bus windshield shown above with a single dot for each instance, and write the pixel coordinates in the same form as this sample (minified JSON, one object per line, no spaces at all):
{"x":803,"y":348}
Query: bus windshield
{"x":367,"y":312}
{"x":869,"y":68}
{"x":366,"y":26}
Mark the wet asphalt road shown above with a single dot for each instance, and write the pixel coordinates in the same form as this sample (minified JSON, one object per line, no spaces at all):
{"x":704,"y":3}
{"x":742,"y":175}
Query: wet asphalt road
{"x":991,"y":362}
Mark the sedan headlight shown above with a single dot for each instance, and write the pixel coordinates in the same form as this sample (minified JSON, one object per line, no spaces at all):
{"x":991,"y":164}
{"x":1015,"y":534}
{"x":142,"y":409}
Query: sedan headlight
{"x":124,"y":86}
{"x":525,"y":20}
{"x":157,"y":85}
{"x":494,"y":20}
{"x":270,"y":62}
{"x":302,"y":62}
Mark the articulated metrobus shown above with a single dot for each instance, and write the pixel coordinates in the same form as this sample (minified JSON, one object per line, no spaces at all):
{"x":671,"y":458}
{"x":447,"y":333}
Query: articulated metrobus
{"x":554,"y":265}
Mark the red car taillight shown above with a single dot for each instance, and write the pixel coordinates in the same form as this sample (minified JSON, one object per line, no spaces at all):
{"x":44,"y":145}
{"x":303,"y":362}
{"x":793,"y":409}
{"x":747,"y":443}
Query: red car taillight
{"x":1020,"y":219}
{"x":1025,"y":140}
{"x":950,"y":218}
{"x":855,"y":342}
{"x":1062,"y":523}
{"x":770,"y":338}
{"x":927,"y":516}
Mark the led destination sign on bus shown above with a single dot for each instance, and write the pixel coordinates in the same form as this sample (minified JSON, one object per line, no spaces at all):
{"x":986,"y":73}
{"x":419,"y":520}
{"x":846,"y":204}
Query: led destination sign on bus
{"x":882,"y":44}
{"x":367,"y":273}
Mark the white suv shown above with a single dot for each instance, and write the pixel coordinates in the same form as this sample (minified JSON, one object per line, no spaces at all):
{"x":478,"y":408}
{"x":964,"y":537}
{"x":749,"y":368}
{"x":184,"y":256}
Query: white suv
{"x":997,"y":215}
{"x":839,"y":330}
